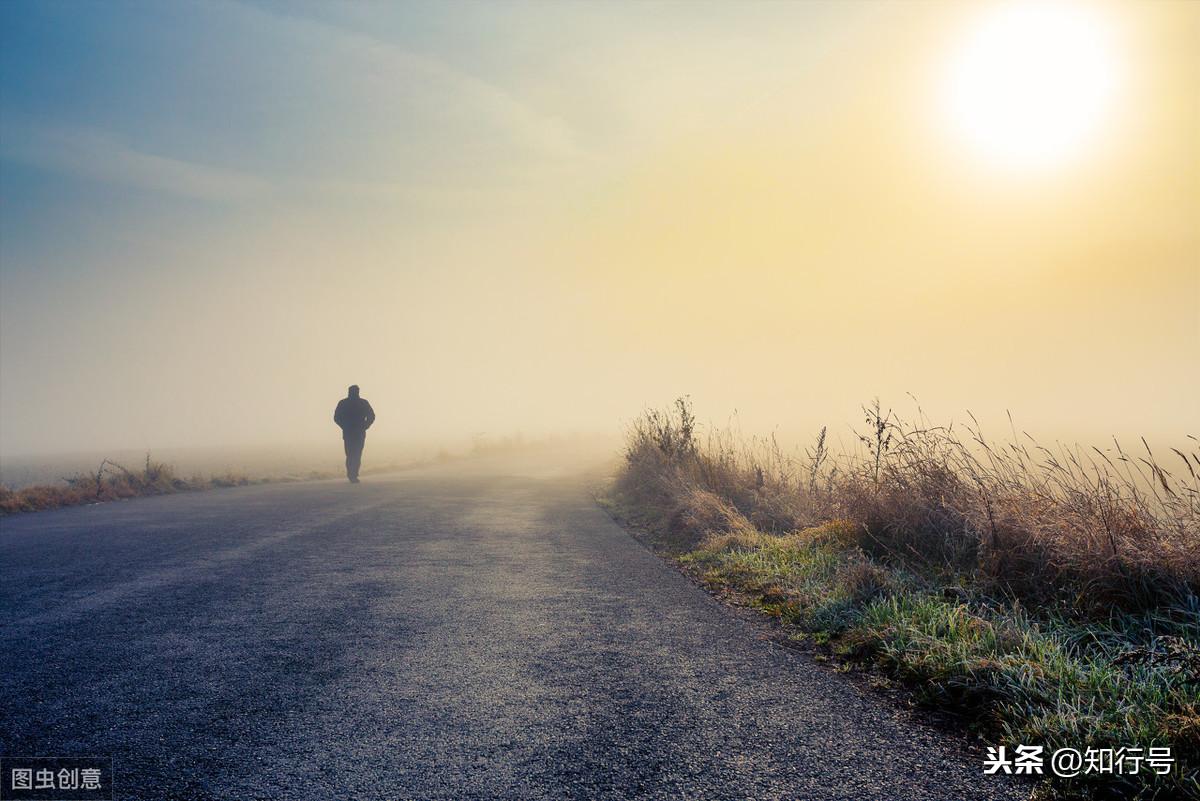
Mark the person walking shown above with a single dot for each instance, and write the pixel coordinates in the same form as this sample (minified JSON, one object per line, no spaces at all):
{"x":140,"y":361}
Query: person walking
{"x":354,"y":416}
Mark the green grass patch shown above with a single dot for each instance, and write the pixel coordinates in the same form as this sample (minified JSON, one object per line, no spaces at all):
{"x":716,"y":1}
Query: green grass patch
{"x":1013,"y":677}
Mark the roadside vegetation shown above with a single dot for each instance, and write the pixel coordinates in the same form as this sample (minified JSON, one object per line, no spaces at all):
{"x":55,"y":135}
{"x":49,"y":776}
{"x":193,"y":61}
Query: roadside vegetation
{"x":114,"y":482}
{"x":111,"y":482}
{"x":1048,"y":597}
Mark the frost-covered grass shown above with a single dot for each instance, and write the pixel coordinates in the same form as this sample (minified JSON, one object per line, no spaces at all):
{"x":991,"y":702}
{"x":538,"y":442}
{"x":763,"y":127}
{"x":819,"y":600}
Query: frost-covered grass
{"x":1096,"y":646}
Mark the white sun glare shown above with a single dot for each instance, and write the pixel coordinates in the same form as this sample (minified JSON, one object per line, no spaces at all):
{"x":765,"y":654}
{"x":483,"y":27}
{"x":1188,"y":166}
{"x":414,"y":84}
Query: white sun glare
{"x":1031,"y":83}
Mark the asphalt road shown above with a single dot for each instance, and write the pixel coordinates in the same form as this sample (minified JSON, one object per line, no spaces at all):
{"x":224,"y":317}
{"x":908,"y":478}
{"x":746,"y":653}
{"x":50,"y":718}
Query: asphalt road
{"x":451,"y":633}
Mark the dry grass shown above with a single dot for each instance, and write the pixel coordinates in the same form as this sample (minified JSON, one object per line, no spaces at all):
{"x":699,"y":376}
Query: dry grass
{"x":110,"y":482}
{"x":1092,"y":530}
{"x":1049,"y":597}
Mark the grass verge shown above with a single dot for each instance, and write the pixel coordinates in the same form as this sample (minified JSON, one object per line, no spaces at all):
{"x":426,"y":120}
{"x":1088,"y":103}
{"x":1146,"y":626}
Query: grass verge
{"x":112,"y":482}
{"x":922,"y":593}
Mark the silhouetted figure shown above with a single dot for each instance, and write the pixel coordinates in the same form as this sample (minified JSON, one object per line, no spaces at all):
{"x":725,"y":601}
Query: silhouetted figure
{"x":355,"y":416}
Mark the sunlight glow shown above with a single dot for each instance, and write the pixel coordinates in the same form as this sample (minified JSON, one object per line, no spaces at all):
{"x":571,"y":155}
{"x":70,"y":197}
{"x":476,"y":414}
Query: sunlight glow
{"x":1031,"y":83}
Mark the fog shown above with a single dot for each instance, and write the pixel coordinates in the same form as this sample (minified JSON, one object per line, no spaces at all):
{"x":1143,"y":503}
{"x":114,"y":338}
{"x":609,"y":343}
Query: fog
{"x":540,"y":219}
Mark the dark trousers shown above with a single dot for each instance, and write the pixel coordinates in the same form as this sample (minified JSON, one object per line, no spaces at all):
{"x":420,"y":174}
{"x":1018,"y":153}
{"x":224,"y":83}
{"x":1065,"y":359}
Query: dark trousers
{"x":354,"y":441}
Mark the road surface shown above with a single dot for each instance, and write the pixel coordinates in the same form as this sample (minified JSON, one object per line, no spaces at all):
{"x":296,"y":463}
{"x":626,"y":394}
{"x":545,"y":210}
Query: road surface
{"x":470,"y":632}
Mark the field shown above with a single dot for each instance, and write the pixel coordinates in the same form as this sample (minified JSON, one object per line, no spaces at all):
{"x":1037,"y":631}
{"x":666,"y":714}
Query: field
{"x":1047,"y":597}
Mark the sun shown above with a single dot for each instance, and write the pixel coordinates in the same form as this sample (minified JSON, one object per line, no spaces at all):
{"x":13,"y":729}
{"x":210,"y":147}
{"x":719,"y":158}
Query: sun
{"x":1032,"y":83}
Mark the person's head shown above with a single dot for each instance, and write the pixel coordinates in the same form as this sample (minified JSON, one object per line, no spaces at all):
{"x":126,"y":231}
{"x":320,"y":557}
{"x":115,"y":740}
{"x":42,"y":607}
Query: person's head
{"x":354,"y":390}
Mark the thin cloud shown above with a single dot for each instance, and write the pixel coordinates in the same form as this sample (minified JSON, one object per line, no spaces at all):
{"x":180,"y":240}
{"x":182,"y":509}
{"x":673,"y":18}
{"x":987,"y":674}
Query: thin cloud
{"x":102,"y":156}
{"x":385,"y":64}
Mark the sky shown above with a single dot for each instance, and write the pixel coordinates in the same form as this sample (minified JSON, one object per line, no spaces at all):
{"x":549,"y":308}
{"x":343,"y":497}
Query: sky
{"x":545,"y":217}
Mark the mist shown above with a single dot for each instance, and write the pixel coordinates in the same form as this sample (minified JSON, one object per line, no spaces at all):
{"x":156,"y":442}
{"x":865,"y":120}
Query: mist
{"x":539,"y":222}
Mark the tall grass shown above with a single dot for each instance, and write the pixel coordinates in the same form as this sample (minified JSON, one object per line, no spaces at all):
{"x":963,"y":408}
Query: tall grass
{"x":110,"y":482}
{"x":1093,"y":531}
{"x":1049,"y":596}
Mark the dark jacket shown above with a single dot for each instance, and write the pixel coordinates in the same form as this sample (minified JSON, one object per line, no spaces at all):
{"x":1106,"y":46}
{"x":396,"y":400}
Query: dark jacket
{"x":353,"y":415}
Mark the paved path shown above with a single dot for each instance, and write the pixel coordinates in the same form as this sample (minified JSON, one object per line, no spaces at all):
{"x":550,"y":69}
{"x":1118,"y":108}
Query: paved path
{"x":452,"y":633}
